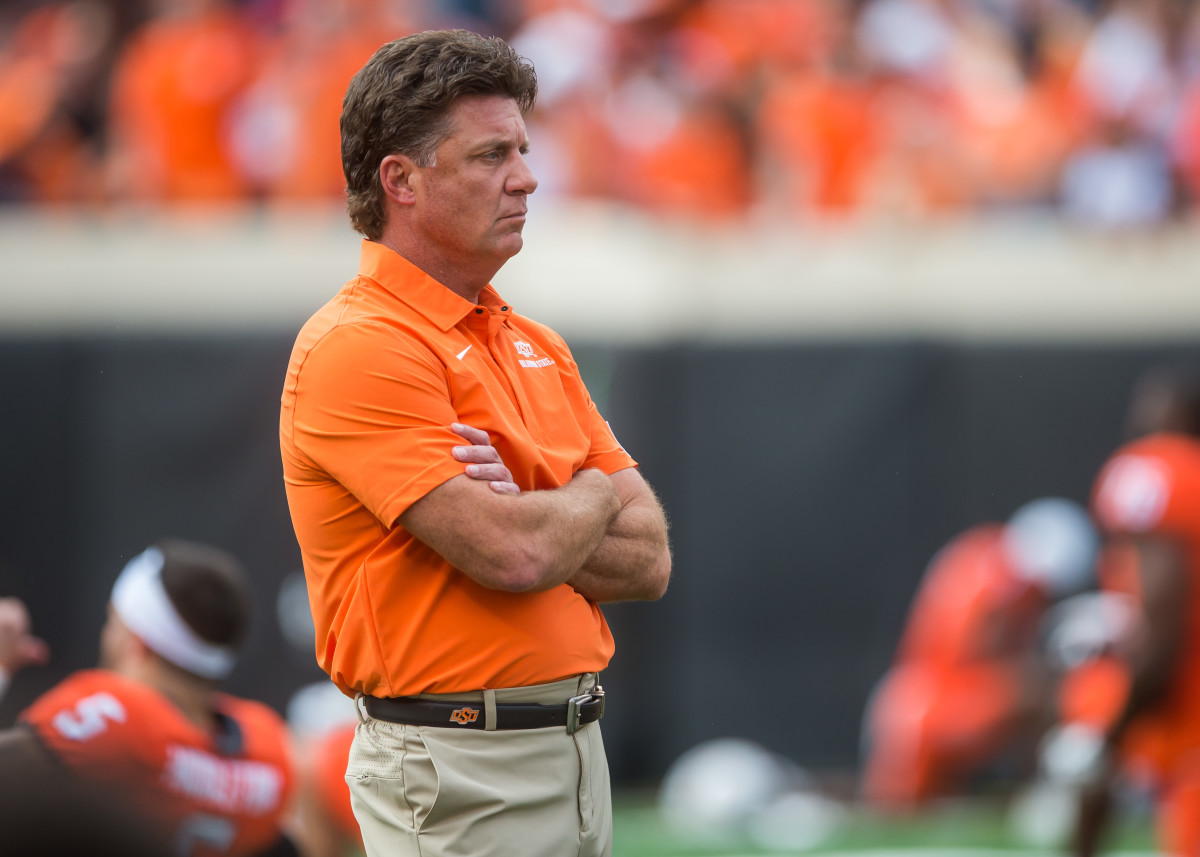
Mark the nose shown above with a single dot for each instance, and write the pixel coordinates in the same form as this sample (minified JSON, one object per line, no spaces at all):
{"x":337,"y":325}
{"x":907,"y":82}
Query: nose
{"x":522,"y":179}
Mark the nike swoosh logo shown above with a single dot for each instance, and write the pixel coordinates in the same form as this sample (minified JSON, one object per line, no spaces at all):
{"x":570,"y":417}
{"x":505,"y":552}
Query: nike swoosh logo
{"x":460,"y":355}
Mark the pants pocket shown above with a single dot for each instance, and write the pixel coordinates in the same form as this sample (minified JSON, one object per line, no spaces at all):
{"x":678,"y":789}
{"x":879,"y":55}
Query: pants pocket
{"x":393,"y":786}
{"x":595,"y":802}
{"x":377,"y":751}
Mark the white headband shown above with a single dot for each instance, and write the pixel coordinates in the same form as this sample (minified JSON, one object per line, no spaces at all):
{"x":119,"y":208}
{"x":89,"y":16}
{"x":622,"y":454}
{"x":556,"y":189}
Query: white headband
{"x":142,"y":603}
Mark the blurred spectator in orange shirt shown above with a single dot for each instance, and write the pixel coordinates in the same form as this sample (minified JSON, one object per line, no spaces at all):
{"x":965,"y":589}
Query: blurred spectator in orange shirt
{"x":615,"y":92}
{"x":285,"y":140}
{"x":682,"y":156}
{"x":573,"y":47}
{"x":173,"y":87}
{"x":683,"y":141}
{"x":1019,"y":116}
{"x":49,"y":125}
{"x":871,"y":126}
{"x":730,"y":45}
{"x":820,"y":129}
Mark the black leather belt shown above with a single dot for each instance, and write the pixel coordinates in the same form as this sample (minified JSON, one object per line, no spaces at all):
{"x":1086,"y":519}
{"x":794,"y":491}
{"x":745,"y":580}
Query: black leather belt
{"x":576,"y":712}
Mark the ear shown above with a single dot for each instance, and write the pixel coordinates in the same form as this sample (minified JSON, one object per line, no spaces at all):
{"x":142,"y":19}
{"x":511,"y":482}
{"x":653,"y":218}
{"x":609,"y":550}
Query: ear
{"x":399,"y":176}
{"x":138,"y":649}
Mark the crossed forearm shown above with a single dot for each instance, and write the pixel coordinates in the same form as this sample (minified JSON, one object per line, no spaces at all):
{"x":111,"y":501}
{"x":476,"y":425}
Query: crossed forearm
{"x":626,"y":558}
{"x":632,"y":562}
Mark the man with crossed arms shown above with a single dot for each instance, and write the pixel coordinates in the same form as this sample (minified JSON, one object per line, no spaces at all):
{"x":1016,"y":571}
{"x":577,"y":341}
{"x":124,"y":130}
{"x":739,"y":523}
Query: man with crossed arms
{"x":461,"y":506}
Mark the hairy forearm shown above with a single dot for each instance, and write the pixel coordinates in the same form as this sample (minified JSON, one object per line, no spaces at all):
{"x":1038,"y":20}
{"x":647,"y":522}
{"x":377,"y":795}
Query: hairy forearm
{"x":567,"y":529}
{"x":529,"y":542}
{"x":632,"y":562}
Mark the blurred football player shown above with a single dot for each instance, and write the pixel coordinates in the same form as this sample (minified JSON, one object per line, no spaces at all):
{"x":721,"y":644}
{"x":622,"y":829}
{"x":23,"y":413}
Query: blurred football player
{"x":1147,"y":500}
{"x":968,"y":687}
{"x":210,"y":770}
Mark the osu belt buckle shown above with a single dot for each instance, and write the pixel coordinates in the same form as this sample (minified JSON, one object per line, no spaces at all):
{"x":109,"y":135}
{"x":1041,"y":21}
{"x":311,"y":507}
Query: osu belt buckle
{"x":575,"y":703}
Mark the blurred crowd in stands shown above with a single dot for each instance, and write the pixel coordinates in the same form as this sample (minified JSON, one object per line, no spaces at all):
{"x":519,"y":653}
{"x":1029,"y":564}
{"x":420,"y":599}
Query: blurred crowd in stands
{"x":702,"y":109}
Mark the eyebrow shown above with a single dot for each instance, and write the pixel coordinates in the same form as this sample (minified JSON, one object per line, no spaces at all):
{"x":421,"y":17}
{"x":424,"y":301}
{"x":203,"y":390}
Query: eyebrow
{"x":501,"y":143}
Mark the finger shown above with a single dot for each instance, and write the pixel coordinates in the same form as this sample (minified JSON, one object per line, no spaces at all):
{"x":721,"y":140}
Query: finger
{"x":472,"y":435}
{"x":476,"y":454}
{"x":505,"y":487}
{"x":489,"y":472}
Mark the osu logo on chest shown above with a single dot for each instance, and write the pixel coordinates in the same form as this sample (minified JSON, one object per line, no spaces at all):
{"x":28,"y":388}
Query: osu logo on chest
{"x":527,"y":356}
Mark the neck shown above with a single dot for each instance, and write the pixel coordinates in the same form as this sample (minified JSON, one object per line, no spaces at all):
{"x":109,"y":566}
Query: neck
{"x":466,"y":283}
{"x":191,"y":695}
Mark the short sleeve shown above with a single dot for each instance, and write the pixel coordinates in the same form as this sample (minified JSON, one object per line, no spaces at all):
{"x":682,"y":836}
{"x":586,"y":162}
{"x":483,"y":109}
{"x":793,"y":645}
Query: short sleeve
{"x":373,"y":411}
{"x":606,"y":452}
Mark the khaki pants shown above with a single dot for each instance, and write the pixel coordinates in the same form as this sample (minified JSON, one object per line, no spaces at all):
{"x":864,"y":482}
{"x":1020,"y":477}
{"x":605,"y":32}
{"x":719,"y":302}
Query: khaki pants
{"x":422,"y":791}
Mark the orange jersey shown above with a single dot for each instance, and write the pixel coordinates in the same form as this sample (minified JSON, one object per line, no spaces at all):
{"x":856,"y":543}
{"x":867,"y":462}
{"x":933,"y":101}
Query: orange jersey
{"x":214,"y":799}
{"x":971,"y":605}
{"x":1152,"y":487}
{"x":376,"y":379}
{"x":953,"y":698}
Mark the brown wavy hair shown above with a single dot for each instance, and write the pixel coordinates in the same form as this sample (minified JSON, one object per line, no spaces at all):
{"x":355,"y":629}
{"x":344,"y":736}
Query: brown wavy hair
{"x":399,"y":103}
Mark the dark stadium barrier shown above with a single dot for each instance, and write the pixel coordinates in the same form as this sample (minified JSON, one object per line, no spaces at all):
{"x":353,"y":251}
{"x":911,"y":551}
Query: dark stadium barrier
{"x":807,"y":486}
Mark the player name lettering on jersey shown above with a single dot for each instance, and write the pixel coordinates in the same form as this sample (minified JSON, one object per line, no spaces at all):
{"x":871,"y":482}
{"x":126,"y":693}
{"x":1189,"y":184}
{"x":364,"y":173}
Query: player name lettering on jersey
{"x":233,"y":785}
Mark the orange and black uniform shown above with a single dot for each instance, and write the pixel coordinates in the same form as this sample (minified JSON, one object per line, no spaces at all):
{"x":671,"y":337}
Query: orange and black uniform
{"x":376,"y":379}
{"x":955,"y":695}
{"x":220,"y":792}
{"x":1151,"y":487}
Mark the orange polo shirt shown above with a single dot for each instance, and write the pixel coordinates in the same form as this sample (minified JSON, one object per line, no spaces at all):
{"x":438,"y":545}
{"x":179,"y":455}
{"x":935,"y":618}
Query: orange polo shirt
{"x":376,"y":378}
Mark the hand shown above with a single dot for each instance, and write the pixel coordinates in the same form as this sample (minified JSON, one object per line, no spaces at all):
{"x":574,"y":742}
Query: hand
{"x":18,"y":648}
{"x":482,"y":459}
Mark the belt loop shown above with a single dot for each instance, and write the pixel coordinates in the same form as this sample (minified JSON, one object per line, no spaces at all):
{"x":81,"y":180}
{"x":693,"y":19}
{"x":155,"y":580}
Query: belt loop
{"x":489,"y":711}
{"x":587,"y":682}
{"x":358,"y":707}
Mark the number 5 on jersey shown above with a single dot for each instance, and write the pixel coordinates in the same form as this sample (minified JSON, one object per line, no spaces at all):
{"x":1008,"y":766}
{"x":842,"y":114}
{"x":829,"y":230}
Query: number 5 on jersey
{"x":89,"y":717}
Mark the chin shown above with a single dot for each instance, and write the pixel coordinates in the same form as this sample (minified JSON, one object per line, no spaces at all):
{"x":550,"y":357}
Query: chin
{"x":511,"y":247}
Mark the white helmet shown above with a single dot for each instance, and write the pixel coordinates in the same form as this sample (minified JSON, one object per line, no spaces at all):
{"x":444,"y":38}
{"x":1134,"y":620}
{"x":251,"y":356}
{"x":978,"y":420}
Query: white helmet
{"x":1052,"y":541}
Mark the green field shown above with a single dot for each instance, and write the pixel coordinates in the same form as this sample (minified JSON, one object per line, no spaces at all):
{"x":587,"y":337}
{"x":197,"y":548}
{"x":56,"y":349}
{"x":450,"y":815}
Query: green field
{"x":958,"y":829}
